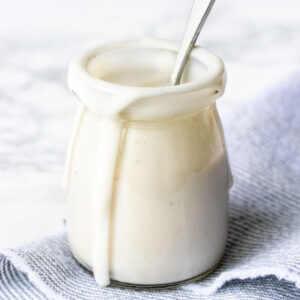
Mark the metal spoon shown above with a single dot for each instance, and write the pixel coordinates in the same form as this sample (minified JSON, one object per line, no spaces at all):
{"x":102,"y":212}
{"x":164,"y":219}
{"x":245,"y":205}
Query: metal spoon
{"x":199,"y":13}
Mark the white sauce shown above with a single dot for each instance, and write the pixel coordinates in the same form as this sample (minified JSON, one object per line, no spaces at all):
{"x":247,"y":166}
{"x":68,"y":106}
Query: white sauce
{"x":115,"y":187}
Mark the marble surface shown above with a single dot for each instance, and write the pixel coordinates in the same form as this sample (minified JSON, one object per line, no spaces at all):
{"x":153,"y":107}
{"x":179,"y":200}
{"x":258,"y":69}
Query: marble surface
{"x":258,"y":40}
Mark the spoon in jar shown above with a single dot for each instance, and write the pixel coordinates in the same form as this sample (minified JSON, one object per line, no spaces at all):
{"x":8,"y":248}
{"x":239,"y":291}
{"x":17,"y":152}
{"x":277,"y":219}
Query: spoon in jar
{"x":199,"y":13}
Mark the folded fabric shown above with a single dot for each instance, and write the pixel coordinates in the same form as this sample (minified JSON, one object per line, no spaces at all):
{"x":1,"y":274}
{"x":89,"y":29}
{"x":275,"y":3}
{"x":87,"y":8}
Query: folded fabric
{"x":262,"y":256}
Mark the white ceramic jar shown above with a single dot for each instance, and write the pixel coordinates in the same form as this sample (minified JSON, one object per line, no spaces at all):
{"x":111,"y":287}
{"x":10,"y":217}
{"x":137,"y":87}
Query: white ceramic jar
{"x":147,"y":175}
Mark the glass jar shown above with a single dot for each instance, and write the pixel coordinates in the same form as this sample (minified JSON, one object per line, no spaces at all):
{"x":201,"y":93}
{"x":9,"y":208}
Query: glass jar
{"x":147,"y":175}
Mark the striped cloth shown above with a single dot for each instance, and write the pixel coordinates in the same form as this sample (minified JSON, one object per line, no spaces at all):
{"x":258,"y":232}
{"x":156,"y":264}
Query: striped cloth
{"x":262,"y":257}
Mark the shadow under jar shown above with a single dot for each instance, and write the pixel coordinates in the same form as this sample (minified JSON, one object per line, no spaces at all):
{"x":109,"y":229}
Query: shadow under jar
{"x":147,"y":175}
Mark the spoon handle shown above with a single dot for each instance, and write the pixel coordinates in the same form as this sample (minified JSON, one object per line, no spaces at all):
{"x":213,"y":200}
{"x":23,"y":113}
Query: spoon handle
{"x":199,"y":13}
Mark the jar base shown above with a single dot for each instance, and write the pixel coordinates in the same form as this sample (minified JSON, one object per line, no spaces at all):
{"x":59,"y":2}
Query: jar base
{"x":151,"y":286}
{"x":164,"y":285}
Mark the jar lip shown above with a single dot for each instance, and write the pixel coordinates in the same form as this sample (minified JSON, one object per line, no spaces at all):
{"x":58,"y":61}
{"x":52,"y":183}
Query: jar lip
{"x":213,"y":76}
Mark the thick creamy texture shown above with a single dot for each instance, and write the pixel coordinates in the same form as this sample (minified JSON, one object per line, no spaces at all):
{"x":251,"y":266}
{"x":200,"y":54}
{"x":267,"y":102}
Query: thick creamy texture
{"x":147,"y":200}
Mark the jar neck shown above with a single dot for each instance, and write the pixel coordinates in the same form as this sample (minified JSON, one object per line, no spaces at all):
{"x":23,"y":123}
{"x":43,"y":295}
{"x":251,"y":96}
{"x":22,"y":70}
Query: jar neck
{"x":169,"y":122}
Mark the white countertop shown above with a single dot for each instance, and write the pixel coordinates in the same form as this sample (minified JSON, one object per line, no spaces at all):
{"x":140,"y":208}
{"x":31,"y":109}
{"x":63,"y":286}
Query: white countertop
{"x":258,"y":40}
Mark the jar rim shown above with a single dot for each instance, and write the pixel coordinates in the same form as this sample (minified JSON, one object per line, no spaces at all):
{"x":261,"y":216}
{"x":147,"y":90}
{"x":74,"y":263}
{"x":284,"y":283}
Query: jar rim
{"x":213,"y":77}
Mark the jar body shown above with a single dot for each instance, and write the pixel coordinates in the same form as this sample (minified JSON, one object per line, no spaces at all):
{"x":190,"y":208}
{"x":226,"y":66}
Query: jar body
{"x":168,"y":215}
